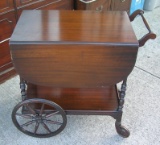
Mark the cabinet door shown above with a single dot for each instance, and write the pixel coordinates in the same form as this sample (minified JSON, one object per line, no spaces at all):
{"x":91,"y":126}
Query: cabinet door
{"x":7,"y":24}
{"x":45,"y":5}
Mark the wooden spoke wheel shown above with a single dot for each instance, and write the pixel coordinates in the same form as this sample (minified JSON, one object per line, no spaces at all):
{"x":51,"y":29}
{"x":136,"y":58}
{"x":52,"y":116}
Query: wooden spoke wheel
{"x":39,"y":118}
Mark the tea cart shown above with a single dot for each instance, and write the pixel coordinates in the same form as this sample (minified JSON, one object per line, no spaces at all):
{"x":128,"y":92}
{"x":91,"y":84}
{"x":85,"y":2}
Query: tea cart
{"x":69,"y":62}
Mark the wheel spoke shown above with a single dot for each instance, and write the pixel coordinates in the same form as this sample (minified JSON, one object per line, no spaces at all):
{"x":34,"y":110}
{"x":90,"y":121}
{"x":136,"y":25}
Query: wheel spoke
{"x":42,"y":109}
{"x":46,"y":127}
{"x":54,"y":122}
{"x":30,"y":109}
{"x":27,"y":123}
{"x":34,"y":115}
{"x":36,"y":128}
{"x":51,"y":114}
{"x":24,"y":115}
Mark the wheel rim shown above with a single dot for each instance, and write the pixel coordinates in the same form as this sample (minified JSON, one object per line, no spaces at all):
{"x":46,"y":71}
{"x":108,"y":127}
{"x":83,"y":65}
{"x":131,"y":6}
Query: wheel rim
{"x":32,"y":118}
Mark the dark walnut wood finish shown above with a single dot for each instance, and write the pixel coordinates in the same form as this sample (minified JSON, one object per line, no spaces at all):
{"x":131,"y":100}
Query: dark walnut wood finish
{"x":100,"y":99}
{"x":10,"y":11}
{"x":150,"y":34}
{"x":43,"y":5}
{"x":73,"y":60}
{"x":7,"y":24}
{"x":105,"y":50}
{"x":103,"y":5}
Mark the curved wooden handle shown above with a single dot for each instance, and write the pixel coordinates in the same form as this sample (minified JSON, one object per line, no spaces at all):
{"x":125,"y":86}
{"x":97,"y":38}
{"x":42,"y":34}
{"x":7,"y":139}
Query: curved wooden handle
{"x":149,"y":35}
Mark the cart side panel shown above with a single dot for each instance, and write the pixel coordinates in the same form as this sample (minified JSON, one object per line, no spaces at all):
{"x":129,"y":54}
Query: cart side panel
{"x":73,"y":66}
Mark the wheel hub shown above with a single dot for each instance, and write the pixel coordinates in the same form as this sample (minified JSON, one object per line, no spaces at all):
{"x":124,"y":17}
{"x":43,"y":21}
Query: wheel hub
{"x":38,"y":118}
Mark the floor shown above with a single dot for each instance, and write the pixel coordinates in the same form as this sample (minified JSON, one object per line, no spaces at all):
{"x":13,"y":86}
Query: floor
{"x":141,"y":109}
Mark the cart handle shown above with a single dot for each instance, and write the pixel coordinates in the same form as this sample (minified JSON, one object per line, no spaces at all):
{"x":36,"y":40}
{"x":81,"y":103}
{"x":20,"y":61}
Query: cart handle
{"x":149,"y":35}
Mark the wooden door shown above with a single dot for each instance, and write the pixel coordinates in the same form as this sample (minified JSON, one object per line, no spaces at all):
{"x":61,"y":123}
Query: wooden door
{"x":7,"y":24}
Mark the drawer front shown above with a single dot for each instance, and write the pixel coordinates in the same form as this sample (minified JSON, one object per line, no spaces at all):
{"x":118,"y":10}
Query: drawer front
{"x":97,"y":5}
{"x":58,"y":5}
{"x":121,"y":5}
{"x":20,"y":3}
{"x":50,"y":5}
{"x":103,"y":5}
{"x":7,"y":22}
{"x":5,"y":6}
{"x":4,"y":53}
{"x":37,"y":3}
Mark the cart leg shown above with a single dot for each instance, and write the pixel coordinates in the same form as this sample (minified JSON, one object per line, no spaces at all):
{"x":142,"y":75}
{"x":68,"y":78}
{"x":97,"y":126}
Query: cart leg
{"x":23,"y":89}
{"x":121,"y":130}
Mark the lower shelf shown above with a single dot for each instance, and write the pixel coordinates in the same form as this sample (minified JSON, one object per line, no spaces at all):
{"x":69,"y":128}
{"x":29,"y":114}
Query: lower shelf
{"x":78,"y":100}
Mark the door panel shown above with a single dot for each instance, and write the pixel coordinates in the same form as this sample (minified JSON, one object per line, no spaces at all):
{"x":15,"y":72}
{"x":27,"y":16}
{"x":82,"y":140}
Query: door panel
{"x":6,"y":5}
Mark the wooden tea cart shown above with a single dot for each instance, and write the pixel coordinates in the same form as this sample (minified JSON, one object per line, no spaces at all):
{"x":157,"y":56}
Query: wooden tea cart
{"x":69,"y":62}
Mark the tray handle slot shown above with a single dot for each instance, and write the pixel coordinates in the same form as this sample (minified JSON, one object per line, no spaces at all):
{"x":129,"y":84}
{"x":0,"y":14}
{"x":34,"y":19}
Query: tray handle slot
{"x":147,"y":36}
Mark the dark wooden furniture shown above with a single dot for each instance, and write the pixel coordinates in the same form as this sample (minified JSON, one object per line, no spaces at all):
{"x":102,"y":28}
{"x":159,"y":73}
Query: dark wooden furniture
{"x":7,"y":24}
{"x":104,"y":5}
{"x":10,"y":11}
{"x":72,"y":60}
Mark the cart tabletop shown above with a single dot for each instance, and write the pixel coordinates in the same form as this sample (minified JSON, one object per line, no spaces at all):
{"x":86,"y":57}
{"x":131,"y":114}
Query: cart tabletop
{"x":74,"y":27}
{"x":75,"y":49}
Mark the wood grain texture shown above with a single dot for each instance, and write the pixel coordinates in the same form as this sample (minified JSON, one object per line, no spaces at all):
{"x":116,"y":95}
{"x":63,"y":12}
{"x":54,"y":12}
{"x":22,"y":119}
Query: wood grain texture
{"x":7,"y":71}
{"x":74,"y":26}
{"x":10,"y":10}
{"x":46,"y":5}
{"x":92,"y":99}
{"x":121,"y":5}
{"x":104,"y":5}
{"x":6,"y":6}
{"x":62,"y":65}
{"x":7,"y":24}
{"x":74,"y":49}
